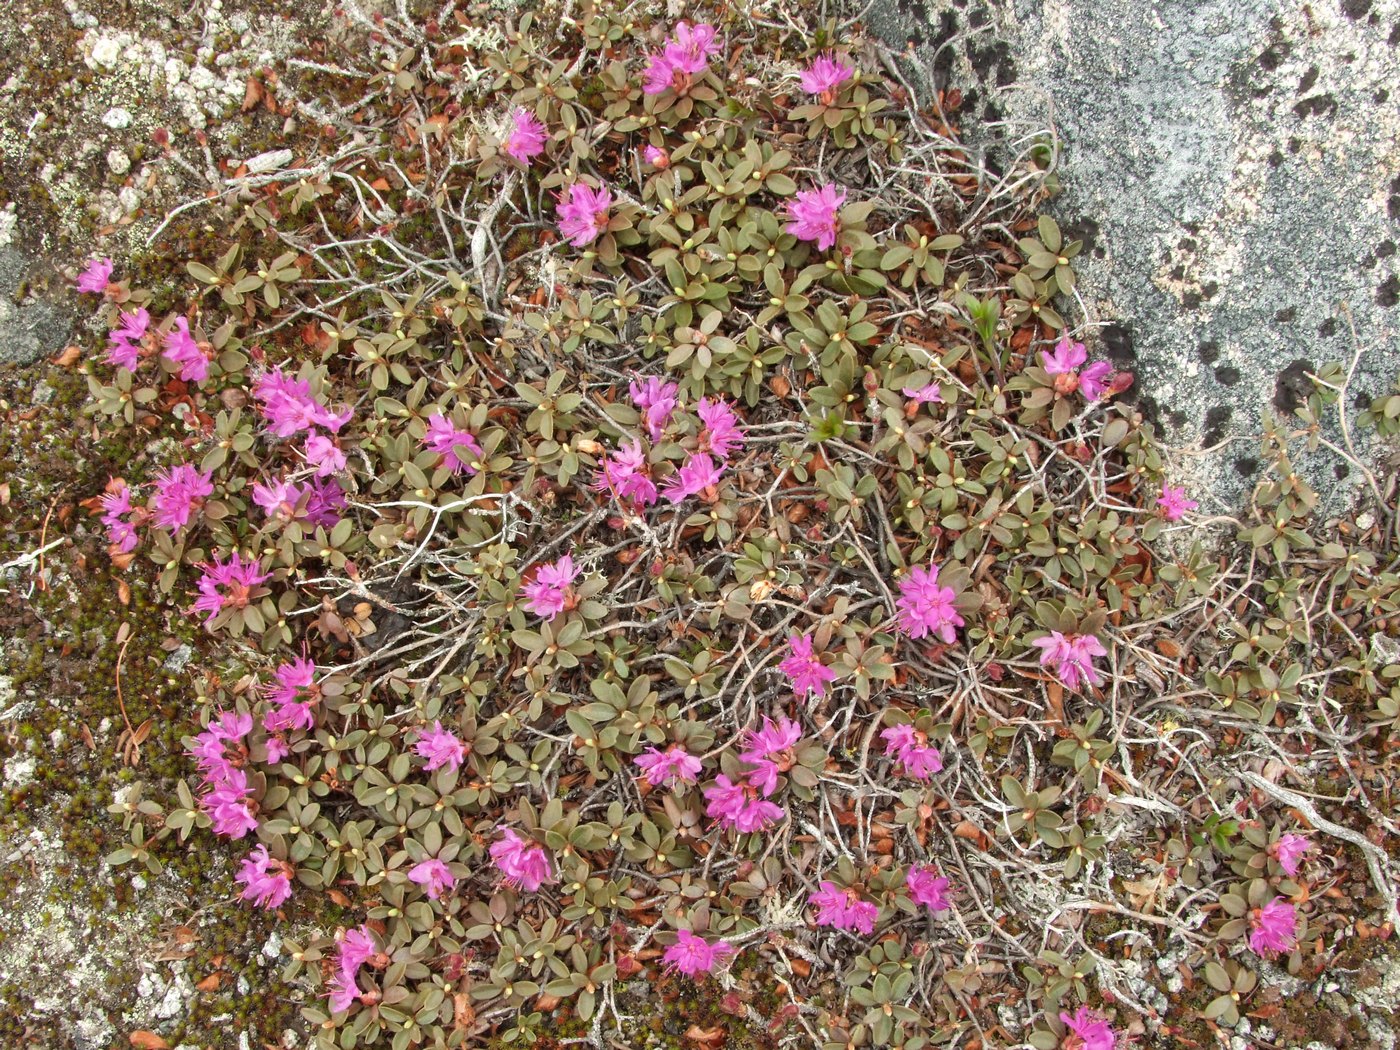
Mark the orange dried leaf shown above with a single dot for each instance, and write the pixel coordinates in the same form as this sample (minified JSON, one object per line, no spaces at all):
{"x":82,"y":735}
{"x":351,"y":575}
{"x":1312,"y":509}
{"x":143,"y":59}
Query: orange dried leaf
{"x":147,"y":1040}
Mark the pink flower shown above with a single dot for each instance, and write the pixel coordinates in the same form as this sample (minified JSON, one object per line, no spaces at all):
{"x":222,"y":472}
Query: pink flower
{"x":1069,"y":656}
{"x":625,"y":473}
{"x":656,"y":157}
{"x":657,"y":403}
{"x":1093,"y":379}
{"x":318,"y":502}
{"x":1174,"y":503}
{"x":1065,"y":364}
{"x":1274,"y":928}
{"x":96,"y":277}
{"x":290,"y":708}
{"x":843,"y":909}
{"x":805,"y":669}
{"x":1091,"y":1031}
{"x":121,"y":534}
{"x":440,"y":747}
{"x":221,"y":743}
{"x":911,"y":748}
{"x":179,"y":347}
{"x":698,"y":473}
{"x":228,"y":805}
{"x":325,"y":455}
{"x":737,"y":806}
{"x":929,"y":393}
{"x":434,"y":876}
{"x":722,"y":434}
{"x":551,"y":591}
{"x":692,"y":956}
{"x":463,"y":453}
{"x":122,"y":350}
{"x":926,"y":608}
{"x":770,"y":750}
{"x":178,"y":492}
{"x":1288,"y":851}
{"x":813,"y":215}
{"x":228,"y":584}
{"x":266,"y":882}
{"x":583,"y":218}
{"x":289,"y":406}
{"x":670,"y":767}
{"x":825,"y":75}
{"x":526,"y":138}
{"x":683,"y":57}
{"x":1066,"y":358}
{"x":525,"y":865}
{"x":927,"y":887}
{"x":356,"y":949}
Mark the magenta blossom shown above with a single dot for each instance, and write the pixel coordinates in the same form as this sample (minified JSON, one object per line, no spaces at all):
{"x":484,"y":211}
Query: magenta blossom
{"x":583,"y":217}
{"x":179,"y":347}
{"x":228,"y":584}
{"x":1273,"y":928}
{"x":722,"y":434}
{"x":464,"y":454}
{"x":325,"y":455}
{"x":736,"y":805}
{"x":228,"y":804}
{"x":289,"y":406}
{"x":319,"y":502}
{"x":692,"y":956}
{"x":1091,"y":1031}
{"x":122,"y":349}
{"x":292,"y":696}
{"x":683,"y":57}
{"x":526,"y":138}
{"x":356,"y":949}
{"x":813,"y":215}
{"x":121,"y":534}
{"x":440,"y":747}
{"x":96,"y":277}
{"x":1288,"y":851}
{"x":1069,"y":656}
{"x":843,"y":909}
{"x":804,"y":668}
{"x":656,"y":401}
{"x":825,"y":75}
{"x":551,"y":591}
{"x":770,"y":752}
{"x":625,"y":473}
{"x":524,"y":864}
{"x":929,"y":393}
{"x":927,"y":887}
{"x":266,"y":882}
{"x":698,"y":473}
{"x":656,"y":157}
{"x":178,"y":492}
{"x":1174,"y":503}
{"x":1066,"y":364}
{"x":668,"y":768}
{"x":926,"y":608}
{"x":434,"y":876}
{"x":221,"y":744}
{"x":911,"y":749}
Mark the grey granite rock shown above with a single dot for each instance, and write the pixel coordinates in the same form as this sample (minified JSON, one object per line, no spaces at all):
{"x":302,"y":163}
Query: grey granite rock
{"x":30,"y":327}
{"x":1233,"y":168}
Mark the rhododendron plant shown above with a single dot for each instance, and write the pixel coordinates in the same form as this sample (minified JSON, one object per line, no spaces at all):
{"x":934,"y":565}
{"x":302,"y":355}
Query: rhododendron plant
{"x":178,"y":494}
{"x":824,"y":75}
{"x":266,"y":882}
{"x":737,"y":805}
{"x":357,"y":947}
{"x":229,"y":583}
{"x":1174,"y":503}
{"x":526,"y":137}
{"x":925,"y":607}
{"x":656,"y":401}
{"x":928,"y":888}
{"x":1273,"y":928}
{"x":96,"y":277}
{"x":434,"y":876}
{"x":1289,"y":850}
{"x":1091,"y":1031}
{"x":551,"y":591}
{"x":1067,"y":364}
{"x":440,"y":747}
{"x":911,"y":749}
{"x":123,"y":342}
{"x":693,"y":956}
{"x":625,"y":473}
{"x":671,"y":767}
{"x":524,"y":864}
{"x":1069,"y":656}
{"x":813,"y":215}
{"x":769,"y":751}
{"x":804,"y":668}
{"x":180,"y":348}
{"x":844,"y":909}
{"x":684,"y":57}
{"x":583,"y":213}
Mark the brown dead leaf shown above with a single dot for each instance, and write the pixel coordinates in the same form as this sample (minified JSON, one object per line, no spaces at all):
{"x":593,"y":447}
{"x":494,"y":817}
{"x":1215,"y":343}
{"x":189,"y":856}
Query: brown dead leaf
{"x":209,"y":984}
{"x":252,"y":94}
{"x":707,"y":1038}
{"x":147,"y":1040}
{"x":1168,"y":648}
{"x":339,"y":898}
{"x":68,"y":357}
{"x":123,"y":592}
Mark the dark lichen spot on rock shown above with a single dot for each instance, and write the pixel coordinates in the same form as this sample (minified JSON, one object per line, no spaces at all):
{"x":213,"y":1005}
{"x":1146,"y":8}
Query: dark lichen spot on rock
{"x":1293,"y":386}
{"x":1381,"y":95}
{"x":1309,"y":79}
{"x":1191,"y":300}
{"x":1320,"y":105}
{"x":1394,"y":37}
{"x":1216,"y":418}
{"x":1275,"y":158}
{"x":1118,"y":341}
{"x":1355,"y":9}
{"x":1209,"y":289}
{"x":1274,"y":55}
{"x":1341,"y":471}
{"x":1385,"y":249}
{"x":1388,"y":294}
{"x":1286,"y":314}
{"x":1392,"y":205}
{"x":1178,"y":419}
{"x":1327,"y":328}
{"x":1246,"y":466}
{"x":1208,"y":352}
{"x":1294,"y":142}
{"x":1083,"y":229}
{"x":1228,"y":375}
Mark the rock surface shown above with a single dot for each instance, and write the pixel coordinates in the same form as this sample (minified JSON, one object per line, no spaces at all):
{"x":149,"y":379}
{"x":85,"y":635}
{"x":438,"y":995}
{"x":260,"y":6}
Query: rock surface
{"x":30,"y":327}
{"x":1231,"y":166}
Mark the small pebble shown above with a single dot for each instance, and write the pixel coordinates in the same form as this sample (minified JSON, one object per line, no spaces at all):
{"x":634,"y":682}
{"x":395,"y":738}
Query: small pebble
{"x":118,"y":161}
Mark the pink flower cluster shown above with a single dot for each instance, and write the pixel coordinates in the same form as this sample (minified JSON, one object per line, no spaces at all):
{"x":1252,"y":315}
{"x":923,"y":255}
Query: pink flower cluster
{"x":1091,"y":1030}
{"x":121,"y":534}
{"x":668,"y":768}
{"x":289,"y":406}
{"x":220,"y":752}
{"x":813,"y":215}
{"x":551,"y":591}
{"x":911,"y":749}
{"x":825,"y":75}
{"x":1273,"y":928}
{"x":1066,"y":364}
{"x":266,"y":882}
{"x":693,"y":956}
{"x":434,"y":876}
{"x":228,"y":583}
{"x":626,"y":475}
{"x":804,"y":667}
{"x":741,"y":805}
{"x":685,"y":56}
{"x":446,"y":438}
{"x":1174,"y":503}
{"x":656,"y":401}
{"x":1288,"y":851}
{"x":524,"y":864}
{"x":526,"y":137}
{"x":583,"y":214}
{"x":96,"y":277}
{"x":925,"y":607}
{"x":318,"y":502}
{"x":927,"y":887}
{"x":123,"y":350}
{"x":843,"y":909}
{"x":292,"y":697}
{"x":440,"y":747}
{"x":1069,"y":656}
{"x":356,"y":949}
{"x":179,"y":347}
{"x":178,"y":493}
